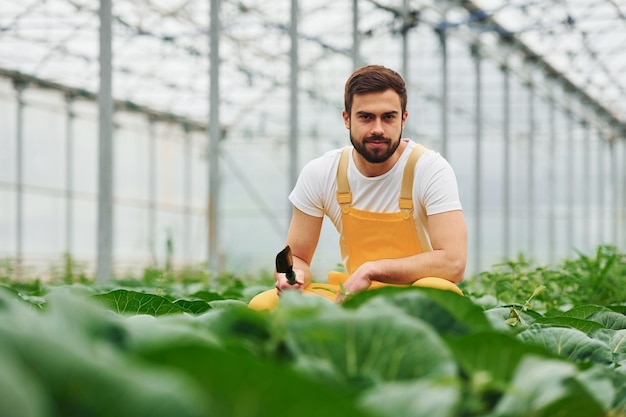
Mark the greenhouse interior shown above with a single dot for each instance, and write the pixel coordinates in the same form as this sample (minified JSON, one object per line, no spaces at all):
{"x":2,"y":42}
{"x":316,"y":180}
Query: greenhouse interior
{"x":140,"y":133}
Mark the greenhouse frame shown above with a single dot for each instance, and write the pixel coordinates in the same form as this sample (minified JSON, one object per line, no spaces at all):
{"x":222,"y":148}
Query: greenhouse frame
{"x":152,"y":132}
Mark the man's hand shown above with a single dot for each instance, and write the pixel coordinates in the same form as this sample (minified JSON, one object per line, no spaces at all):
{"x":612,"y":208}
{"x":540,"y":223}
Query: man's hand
{"x":360,"y":280}
{"x":283,"y":284}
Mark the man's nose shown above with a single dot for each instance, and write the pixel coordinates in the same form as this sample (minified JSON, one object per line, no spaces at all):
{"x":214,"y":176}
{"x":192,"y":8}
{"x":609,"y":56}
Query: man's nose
{"x":377,"y":127}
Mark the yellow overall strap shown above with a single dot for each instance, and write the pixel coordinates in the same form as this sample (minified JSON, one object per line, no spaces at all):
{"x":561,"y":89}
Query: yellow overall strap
{"x":406,"y":193}
{"x":344,"y":195}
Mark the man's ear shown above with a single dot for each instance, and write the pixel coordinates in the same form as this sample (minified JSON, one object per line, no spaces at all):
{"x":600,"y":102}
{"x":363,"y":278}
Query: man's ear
{"x":404,"y":117}
{"x":346,"y":119}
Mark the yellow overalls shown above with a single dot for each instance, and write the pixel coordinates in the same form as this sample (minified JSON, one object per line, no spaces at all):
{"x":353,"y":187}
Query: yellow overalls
{"x":367,"y":236}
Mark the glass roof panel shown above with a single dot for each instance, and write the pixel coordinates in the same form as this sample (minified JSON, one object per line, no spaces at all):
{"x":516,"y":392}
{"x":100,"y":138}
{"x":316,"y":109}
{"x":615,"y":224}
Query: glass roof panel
{"x":161,"y":47}
{"x":582,"y":39}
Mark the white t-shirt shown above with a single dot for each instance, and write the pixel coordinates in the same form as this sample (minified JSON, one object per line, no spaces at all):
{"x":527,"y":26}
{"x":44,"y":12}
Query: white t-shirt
{"x":435,"y":188}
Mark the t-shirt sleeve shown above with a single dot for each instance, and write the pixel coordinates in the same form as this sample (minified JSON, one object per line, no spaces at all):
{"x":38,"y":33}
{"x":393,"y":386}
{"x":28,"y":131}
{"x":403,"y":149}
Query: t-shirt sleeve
{"x":440,"y":187}
{"x":306,"y":196}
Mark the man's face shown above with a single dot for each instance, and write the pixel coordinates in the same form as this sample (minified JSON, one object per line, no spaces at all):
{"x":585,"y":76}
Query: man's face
{"x":375,"y":124}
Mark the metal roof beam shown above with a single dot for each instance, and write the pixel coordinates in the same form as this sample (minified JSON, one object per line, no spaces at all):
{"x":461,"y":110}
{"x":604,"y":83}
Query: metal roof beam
{"x":531,"y":57}
{"x":91,"y":96}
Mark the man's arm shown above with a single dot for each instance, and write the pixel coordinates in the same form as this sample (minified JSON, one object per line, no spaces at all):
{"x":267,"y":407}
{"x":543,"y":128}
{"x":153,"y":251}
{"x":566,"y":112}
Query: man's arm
{"x":448,"y":236}
{"x":303,"y":236}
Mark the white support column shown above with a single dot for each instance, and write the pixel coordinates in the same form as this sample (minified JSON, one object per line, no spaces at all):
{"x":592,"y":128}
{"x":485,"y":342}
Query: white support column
{"x":293,"y":100}
{"x":356,"y":36}
{"x":506,"y":180}
{"x":19,"y":180}
{"x":530,"y":169}
{"x":69,"y":176}
{"x":588,"y":198}
{"x":600,"y":187}
{"x":569,"y":164}
{"x":443,"y":40}
{"x":214,"y":139}
{"x":621,"y":201}
{"x":187,"y":187}
{"x":105,"y":167}
{"x":614,"y":194}
{"x":478,"y":116}
{"x":152,"y":189}
{"x":552,"y":182}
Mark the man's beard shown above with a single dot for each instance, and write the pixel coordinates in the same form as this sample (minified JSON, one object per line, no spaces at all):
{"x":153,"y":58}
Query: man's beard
{"x":377,"y":155}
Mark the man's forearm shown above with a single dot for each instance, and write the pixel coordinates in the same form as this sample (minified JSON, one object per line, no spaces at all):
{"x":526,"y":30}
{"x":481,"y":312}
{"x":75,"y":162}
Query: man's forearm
{"x":436,"y":263}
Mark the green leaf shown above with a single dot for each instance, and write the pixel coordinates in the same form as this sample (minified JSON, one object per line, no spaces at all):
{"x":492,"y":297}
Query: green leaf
{"x":237,"y":384}
{"x":583,"y":325}
{"x":619,"y":381}
{"x":446,"y":311}
{"x":618,"y":308}
{"x":8,"y":297}
{"x":207,"y":295}
{"x":421,"y":398}
{"x":132,"y":302}
{"x":499,"y":316}
{"x":580,"y":318}
{"x":549,"y":388}
{"x":615,"y":340}
{"x":193,"y":306}
{"x":82,"y":369}
{"x":370,"y":346}
{"x":597,"y":382}
{"x":8,"y":294}
{"x":569,"y":343}
{"x":228,"y":304}
{"x":27,"y":287}
{"x":610,"y":319}
{"x":583,"y":312}
{"x":20,"y":393}
{"x":239,"y":328}
{"x":295,"y":305}
{"x":146,"y":332}
{"x":495,"y":355}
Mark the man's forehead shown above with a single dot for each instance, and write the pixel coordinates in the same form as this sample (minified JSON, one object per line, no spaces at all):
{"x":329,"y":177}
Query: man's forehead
{"x":378,"y":102}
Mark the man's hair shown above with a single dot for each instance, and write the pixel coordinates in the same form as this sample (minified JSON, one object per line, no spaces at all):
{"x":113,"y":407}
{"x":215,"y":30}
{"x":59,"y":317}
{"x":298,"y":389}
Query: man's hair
{"x":374,"y":79}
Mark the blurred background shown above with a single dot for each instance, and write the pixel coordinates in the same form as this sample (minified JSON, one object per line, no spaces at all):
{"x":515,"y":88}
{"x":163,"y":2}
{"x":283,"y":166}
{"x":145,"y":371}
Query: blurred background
{"x":145,"y":132}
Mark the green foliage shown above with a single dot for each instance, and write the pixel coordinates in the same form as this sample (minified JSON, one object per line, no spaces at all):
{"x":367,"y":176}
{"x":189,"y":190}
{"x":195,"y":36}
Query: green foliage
{"x":7,"y":269}
{"x":184,"y":343}
{"x":70,"y":271}
{"x":587,"y":279}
